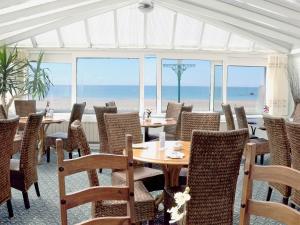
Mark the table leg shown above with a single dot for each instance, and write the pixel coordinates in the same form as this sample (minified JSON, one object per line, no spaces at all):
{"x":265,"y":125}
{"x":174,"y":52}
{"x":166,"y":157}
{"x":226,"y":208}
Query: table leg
{"x":147,"y":138}
{"x":42,"y":140}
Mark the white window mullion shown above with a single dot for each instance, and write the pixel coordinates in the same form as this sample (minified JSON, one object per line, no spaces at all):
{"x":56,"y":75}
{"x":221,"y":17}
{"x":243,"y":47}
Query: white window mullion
{"x":212,"y":86}
{"x":225,"y":79}
{"x":158,"y":84}
{"x":142,"y":89}
{"x":74,"y":80}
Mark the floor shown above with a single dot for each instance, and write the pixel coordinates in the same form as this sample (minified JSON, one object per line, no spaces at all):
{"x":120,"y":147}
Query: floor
{"x":45,"y":210}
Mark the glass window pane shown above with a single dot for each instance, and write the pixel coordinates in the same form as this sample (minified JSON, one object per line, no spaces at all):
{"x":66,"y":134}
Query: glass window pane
{"x":214,"y":37}
{"x":238,"y":43}
{"x":195,"y":83}
{"x":246,"y":87}
{"x":100,"y":80}
{"x":48,"y":39}
{"x":73,"y":35}
{"x":150,"y":83}
{"x":218,"y":89}
{"x":59,"y":94}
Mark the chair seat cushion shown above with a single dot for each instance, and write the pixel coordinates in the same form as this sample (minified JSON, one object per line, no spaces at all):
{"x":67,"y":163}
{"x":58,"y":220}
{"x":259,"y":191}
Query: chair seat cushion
{"x":15,"y":164}
{"x":144,"y":205}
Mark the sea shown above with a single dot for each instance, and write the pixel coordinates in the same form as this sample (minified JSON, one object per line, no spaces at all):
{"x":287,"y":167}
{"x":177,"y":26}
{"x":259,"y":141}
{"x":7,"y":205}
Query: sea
{"x":168,"y":92}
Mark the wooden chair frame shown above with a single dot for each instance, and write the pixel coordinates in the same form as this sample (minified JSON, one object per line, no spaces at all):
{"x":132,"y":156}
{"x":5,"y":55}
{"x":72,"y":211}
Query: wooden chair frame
{"x":278,"y":174}
{"x":92,"y":194}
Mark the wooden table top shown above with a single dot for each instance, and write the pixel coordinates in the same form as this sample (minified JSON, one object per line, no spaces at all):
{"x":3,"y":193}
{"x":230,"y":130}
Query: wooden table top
{"x":153,"y":154}
{"x":47,"y":120}
{"x":158,"y":122}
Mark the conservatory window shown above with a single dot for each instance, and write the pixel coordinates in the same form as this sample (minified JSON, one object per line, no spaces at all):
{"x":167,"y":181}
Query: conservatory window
{"x":218,"y":87}
{"x":150,"y":83}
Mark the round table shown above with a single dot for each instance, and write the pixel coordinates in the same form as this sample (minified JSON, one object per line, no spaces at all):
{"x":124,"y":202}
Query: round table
{"x":155,"y":123}
{"x":42,"y":132}
{"x":171,"y":167}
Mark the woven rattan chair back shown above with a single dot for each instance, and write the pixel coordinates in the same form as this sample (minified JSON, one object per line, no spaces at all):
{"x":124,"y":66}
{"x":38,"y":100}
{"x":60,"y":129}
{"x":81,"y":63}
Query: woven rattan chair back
{"x":25,"y":107}
{"x":173,"y":111}
{"x":241,"y":117}
{"x":213,"y":171}
{"x":95,"y":193}
{"x":28,"y":150}
{"x":198,"y":121}
{"x":101,"y":125}
{"x":111,"y":104}
{"x":8,"y":130}
{"x":279,"y":147}
{"x":118,"y":125}
{"x":3,"y":114}
{"x":185,"y":108}
{"x":296,"y":116}
{"x":280,"y":174}
{"x":293,"y":131}
{"x":228,"y":116}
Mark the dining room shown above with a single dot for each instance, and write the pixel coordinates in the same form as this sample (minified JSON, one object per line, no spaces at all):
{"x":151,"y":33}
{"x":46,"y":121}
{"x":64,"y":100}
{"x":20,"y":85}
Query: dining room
{"x":150,"y":112}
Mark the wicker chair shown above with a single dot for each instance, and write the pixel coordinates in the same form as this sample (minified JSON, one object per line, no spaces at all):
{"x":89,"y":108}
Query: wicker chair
{"x":144,"y":204}
{"x":23,"y":171}
{"x":280,"y":152}
{"x":296,"y":116}
{"x":213,"y":171}
{"x":273,"y":210}
{"x":198,"y":121}
{"x":228,"y":116}
{"x":8,"y":129}
{"x":111,"y":104}
{"x":173,"y":111}
{"x":25,"y":107}
{"x":3,"y":114}
{"x":184,"y":108}
{"x":68,"y":139}
{"x":293,"y":132}
{"x":117,"y":126}
{"x":99,"y":111}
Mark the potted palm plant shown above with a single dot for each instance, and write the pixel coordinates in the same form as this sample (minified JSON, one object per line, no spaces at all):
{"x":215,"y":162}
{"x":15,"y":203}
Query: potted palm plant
{"x":16,"y":82}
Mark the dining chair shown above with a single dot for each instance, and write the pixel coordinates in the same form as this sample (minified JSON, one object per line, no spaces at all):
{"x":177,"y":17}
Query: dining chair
{"x":279,"y":174}
{"x":296,"y":114}
{"x":242,"y":122}
{"x":111,"y":104}
{"x":228,"y":116}
{"x":23,"y":171}
{"x":144,"y":204}
{"x":25,"y":107}
{"x":279,"y":152}
{"x":3,"y":114}
{"x":173,"y":111}
{"x":117,"y":126}
{"x":69,"y":144}
{"x":212,"y":176}
{"x":184,"y":108}
{"x":8,"y":130}
{"x":293,"y":132}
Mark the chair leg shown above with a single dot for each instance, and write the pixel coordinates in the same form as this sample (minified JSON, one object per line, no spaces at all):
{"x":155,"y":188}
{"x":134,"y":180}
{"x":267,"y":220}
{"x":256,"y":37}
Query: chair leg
{"x":26,"y":199}
{"x":285,"y":200}
{"x":255,"y":159}
{"x":151,"y":222}
{"x":262,"y":159}
{"x":37,"y":190}
{"x":79,"y":154}
{"x":9,"y":208}
{"x":100,"y":170}
{"x":293,"y":205}
{"x":48,"y":154}
{"x":70,"y":155}
{"x":269,"y":193}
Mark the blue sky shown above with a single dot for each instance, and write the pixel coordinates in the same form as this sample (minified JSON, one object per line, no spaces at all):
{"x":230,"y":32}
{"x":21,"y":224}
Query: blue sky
{"x":95,"y":71}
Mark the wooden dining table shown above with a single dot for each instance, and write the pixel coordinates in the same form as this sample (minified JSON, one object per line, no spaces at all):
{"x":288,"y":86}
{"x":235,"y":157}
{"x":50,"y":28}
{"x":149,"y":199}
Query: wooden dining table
{"x":155,"y":123}
{"x":46,"y":122}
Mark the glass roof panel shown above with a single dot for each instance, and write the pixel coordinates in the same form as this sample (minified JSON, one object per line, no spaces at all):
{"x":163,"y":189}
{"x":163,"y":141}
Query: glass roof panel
{"x":25,"y":43}
{"x":188,"y":32}
{"x":238,"y":43}
{"x":101,"y":29}
{"x":49,"y":39}
{"x":214,"y":37}
{"x":160,"y":27}
{"x":130,"y":27}
{"x":74,"y":35}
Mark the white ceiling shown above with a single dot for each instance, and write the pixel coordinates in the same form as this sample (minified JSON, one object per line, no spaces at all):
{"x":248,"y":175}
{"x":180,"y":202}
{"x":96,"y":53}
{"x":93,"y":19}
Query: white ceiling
{"x":225,"y":25}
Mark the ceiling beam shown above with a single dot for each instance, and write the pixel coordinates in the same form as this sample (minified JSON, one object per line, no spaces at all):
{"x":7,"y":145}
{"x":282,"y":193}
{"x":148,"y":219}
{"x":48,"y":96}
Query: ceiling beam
{"x":289,"y":4}
{"x":145,"y":29}
{"x":33,"y":42}
{"x":254,"y":17}
{"x":201,"y":35}
{"x":36,"y":9}
{"x":9,"y":3}
{"x":116,"y":29}
{"x":60,"y":40}
{"x":107,"y":5}
{"x":200,"y":14}
{"x":50,"y":17}
{"x":253,"y":28}
{"x":87,"y":33}
{"x":174,"y":30}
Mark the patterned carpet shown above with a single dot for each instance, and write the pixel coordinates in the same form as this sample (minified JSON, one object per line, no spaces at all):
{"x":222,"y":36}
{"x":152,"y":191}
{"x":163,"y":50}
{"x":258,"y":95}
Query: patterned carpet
{"x":45,"y":210}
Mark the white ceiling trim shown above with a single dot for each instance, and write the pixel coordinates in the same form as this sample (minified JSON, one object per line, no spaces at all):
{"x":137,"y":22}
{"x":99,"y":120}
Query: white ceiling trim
{"x":9,"y":3}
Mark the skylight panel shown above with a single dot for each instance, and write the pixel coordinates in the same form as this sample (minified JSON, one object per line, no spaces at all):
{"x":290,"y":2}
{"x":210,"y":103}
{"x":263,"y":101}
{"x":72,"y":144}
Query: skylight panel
{"x":101,"y":29}
{"x":160,"y":27}
{"x":48,"y":39}
{"x":188,"y":31}
{"x":74,"y":35}
{"x":25,"y":43}
{"x":130,"y":26}
{"x":214,"y":37}
{"x":238,"y":43}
